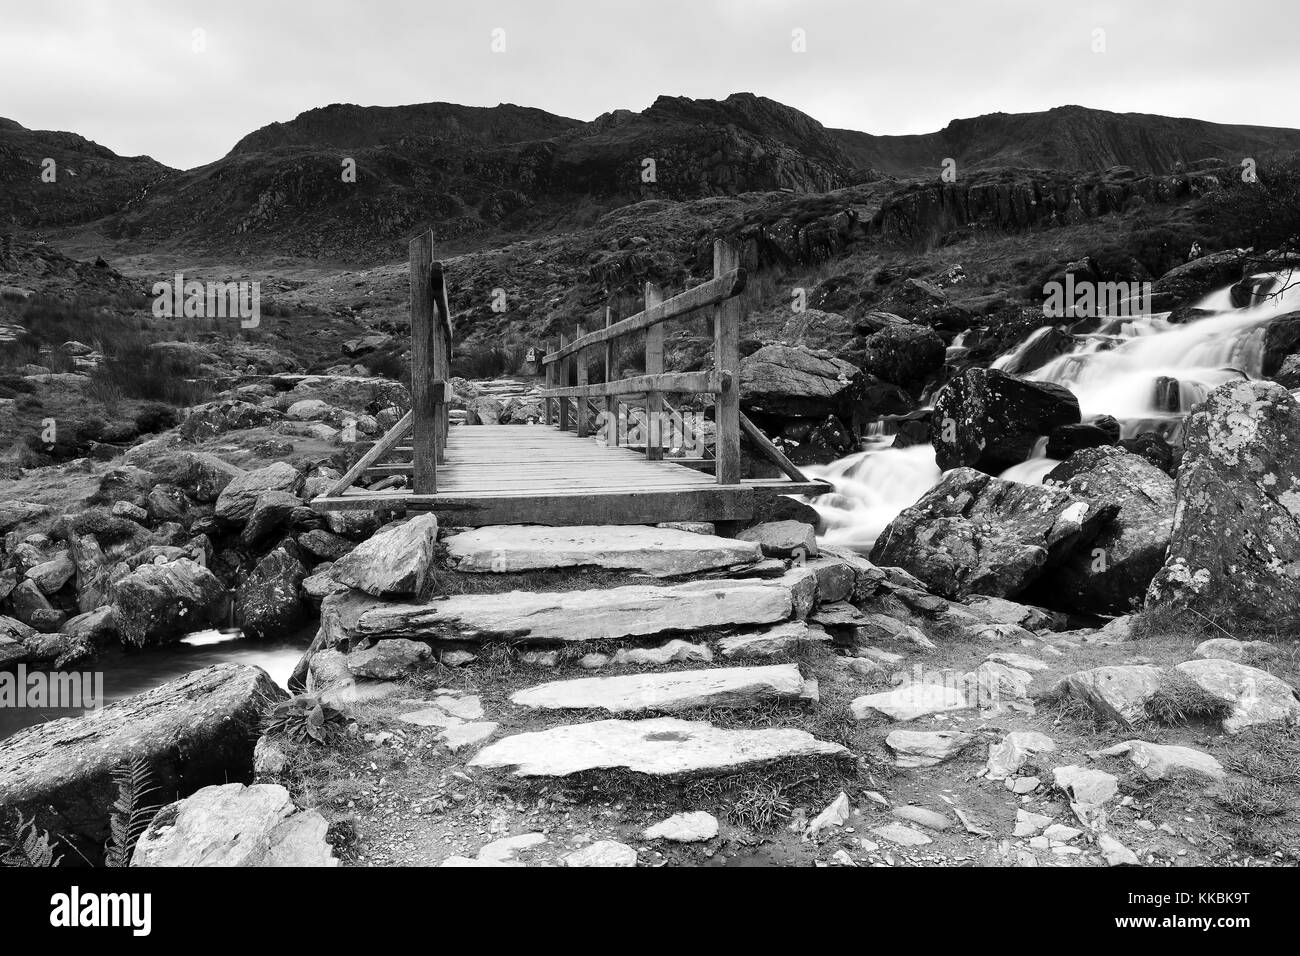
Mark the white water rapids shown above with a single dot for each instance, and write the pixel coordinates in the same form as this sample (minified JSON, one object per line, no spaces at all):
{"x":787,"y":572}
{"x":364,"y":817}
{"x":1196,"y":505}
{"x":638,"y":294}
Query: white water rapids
{"x":1113,"y":371}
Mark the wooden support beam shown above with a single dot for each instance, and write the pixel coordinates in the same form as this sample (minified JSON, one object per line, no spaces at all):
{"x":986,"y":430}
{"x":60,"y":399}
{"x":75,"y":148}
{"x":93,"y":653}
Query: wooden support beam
{"x":611,"y":401}
{"x":562,"y":374}
{"x":718,"y":289}
{"x":441,"y":359}
{"x":425,"y":357}
{"x":580,"y":357}
{"x":765,"y":445}
{"x":654,"y":365}
{"x":376,"y":451}
{"x":726,"y":358}
{"x":547,"y":403}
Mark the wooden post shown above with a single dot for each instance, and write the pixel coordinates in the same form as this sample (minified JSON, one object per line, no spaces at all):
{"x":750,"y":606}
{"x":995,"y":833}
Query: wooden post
{"x":726,"y":358}
{"x":562,"y":373}
{"x":424,"y":361}
{"x":547,"y":416}
{"x":611,"y":401}
{"x":580,"y":404}
{"x":441,"y":359}
{"x":654,"y":364}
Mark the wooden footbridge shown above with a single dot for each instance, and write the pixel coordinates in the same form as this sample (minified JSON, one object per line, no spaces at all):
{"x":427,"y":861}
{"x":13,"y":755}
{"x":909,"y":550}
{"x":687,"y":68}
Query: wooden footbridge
{"x":617,"y":451}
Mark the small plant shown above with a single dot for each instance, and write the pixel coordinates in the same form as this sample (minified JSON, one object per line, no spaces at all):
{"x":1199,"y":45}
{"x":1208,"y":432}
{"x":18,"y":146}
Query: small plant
{"x":131,"y":813}
{"x":21,"y":844}
{"x":304,"y":718}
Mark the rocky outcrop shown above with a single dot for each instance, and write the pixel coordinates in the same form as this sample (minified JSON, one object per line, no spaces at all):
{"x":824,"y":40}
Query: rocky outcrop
{"x":1235,"y":543}
{"x":191,"y":732}
{"x":973,"y":534}
{"x":989,"y":420}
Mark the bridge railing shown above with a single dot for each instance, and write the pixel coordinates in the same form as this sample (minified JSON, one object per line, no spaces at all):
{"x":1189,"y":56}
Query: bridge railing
{"x":567,"y":405}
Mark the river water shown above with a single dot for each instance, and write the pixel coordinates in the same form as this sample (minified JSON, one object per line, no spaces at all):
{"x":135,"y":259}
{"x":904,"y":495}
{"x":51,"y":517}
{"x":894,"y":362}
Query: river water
{"x":125,"y":673}
{"x":1135,"y":368}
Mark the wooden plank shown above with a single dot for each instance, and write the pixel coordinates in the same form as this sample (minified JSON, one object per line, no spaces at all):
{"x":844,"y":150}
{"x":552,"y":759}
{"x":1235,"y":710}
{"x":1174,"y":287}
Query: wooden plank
{"x":654,"y":365}
{"x":376,"y":451}
{"x":689,"y":504}
{"x":718,"y":289}
{"x":692,"y":383}
{"x":790,"y":469}
{"x":424,"y":336}
{"x":726,"y":358}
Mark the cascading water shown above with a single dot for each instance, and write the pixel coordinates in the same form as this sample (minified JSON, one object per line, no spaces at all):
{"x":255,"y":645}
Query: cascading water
{"x":1145,"y":371}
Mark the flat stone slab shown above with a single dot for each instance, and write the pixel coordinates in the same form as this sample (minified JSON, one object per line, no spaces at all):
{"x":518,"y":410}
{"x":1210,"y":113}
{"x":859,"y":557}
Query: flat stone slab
{"x":910,"y":702}
{"x":663,"y":746}
{"x":1162,"y":761}
{"x":660,"y":551}
{"x":782,"y":639}
{"x":672,"y":690}
{"x":569,"y":616}
{"x":926,"y":748}
{"x":692,"y":827}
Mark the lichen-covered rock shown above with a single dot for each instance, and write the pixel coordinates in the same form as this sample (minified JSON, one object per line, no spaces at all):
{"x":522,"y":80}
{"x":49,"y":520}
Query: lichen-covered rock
{"x":974,"y":534}
{"x":989,"y":420}
{"x":268,"y":603}
{"x":791,"y":382}
{"x":235,"y":825}
{"x":1114,"y":571}
{"x":1235,"y":543}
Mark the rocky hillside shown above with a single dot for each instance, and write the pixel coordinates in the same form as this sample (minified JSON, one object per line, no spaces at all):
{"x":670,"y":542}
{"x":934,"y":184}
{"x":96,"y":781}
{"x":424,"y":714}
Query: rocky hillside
{"x":89,"y":181}
{"x":482,"y":176}
{"x":1069,"y":138}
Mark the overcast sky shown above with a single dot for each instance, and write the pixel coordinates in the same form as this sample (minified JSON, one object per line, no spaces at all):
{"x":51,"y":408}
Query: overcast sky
{"x":127,"y":75}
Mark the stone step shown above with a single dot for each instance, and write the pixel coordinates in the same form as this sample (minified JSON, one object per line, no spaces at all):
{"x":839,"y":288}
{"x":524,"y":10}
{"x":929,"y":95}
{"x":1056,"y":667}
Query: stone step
{"x":659,"y":551}
{"x":663,"y":746}
{"x":563,"y":616}
{"x":672,"y":690}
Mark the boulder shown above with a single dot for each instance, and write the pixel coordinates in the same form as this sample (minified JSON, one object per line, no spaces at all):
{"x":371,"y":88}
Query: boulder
{"x":388,"y":660}
{"x":659,"y":551}
{"x":791,"y":382}
{"x":784,"y":639}
{"x":1119,"y":692}
{"x":974,"y":534}
{"x":926,"y":748}
{"x":196,"y":730}
{"x":237,"y":500}
{"x":783,"y":539}
{"x":1235,"y":545}
{"x":1200,"y":276}
{"x":200,"y":476}
{"x":904,"y":354}
{"x":603,"y":853}
{"x":989,"y":420}
{"x":660,"y":746}
{"x":270,"y":514}
{"x":1255,"y":697}
{"x":395,"y":562}
{"x":1228,"y":649}
{"x":34,"y":609}
{"x":268,"y":603}
{"x":1113,"y":572}
{"x":1011,"y":753}
{"x":1165,"y":761}
{"x":216,"y":418}
{"x":695,"y":827}
{"x":160,"y":603}
{"x":910,"y":702}
{"x":235,"y":825}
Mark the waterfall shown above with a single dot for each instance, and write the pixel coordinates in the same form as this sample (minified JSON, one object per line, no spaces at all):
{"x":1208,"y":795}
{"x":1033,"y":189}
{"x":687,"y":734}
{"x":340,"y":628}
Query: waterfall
{"x":1144,"y":370}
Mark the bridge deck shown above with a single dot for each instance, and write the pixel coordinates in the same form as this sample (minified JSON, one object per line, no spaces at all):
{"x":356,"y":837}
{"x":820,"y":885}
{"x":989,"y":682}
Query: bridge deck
{"x":536,"y":474}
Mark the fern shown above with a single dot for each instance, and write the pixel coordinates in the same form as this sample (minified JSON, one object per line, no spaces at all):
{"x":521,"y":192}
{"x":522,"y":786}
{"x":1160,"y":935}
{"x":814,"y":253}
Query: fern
{"x":131,"y":814}
{"x":27,"y":846}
